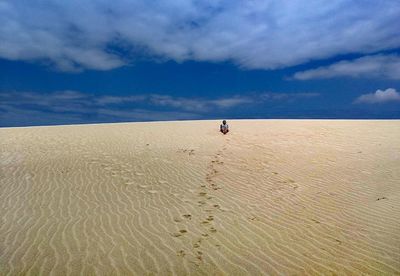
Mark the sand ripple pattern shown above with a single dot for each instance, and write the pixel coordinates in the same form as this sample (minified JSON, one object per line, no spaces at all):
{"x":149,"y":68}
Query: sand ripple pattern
{"x":177,"y":198}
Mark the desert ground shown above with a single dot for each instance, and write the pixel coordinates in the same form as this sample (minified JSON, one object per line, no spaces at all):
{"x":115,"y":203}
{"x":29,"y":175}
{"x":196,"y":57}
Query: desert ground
{"x":179,"y":198}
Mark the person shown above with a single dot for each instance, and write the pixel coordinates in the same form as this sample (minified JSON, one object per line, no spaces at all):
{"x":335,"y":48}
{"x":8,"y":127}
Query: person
{"x":224,"y":128}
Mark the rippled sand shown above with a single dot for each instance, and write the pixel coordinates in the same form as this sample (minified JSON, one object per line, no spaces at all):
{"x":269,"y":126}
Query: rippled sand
{"x":271,"y":197}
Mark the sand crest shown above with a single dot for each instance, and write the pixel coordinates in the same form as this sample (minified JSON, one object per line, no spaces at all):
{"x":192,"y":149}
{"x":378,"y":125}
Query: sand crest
{"x":271,"y":197}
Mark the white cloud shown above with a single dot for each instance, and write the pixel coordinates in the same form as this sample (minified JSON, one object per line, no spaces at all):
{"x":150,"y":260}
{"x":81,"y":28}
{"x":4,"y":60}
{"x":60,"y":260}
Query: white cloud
{"x":59,"y":101}
{"x":65,"y":100}
{"x":377,"y":66}
{"x":178,"y":102}
{"x":200,"y":105}
{"x":147,"y":115}
{"x":253,"y":34}
{"x":74,"y":105}
{"x":66,"y":107}
{"x":107,"y":100}
{"x":380,"y":96}
{"x":269,"y":96}
{"x":231,"y":102}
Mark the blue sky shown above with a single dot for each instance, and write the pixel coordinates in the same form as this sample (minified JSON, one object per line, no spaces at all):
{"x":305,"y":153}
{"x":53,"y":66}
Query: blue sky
{"x":70,"y":62}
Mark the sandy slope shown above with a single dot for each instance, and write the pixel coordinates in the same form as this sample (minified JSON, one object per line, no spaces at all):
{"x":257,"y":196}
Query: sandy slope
{"x":291,"y":197}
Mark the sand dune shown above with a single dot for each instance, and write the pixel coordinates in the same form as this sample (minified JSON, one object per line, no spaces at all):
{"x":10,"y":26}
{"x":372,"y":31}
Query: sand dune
{"x":177,"y":198}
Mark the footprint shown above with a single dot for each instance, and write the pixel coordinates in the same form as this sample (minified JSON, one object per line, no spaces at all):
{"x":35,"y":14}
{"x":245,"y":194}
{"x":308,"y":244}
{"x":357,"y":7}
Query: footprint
{"x":187,"y":216}
{"x":213,"y":230}
{"x":202,"y":194}
{"x":183,"y":231}
{"x":181,"y":253}
{"x":210,"y":218}
{"x":381,"y":198}
{"x":177,"y":220}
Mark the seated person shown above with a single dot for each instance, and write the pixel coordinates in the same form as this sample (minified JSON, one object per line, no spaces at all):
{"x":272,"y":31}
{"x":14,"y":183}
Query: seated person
{"x":224,"y":128}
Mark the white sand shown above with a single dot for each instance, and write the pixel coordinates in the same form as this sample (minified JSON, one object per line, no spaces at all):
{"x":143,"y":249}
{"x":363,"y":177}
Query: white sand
{"x":271,"y":197}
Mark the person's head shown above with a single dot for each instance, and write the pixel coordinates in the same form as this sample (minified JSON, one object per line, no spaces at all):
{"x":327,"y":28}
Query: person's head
{"x":224,"y":122}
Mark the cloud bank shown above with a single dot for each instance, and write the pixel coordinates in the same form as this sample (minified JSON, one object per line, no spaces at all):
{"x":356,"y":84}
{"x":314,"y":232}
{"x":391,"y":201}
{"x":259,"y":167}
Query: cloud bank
{"x":376,"y":66}
{"x":74,"y":35}
{"x":380,"y":96}
{"x":67,"y":107}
